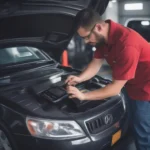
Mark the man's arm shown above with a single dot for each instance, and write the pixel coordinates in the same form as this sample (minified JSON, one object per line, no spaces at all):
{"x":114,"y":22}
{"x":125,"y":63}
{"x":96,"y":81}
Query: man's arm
{"x":123,"y":70}
{"x":109,"y":90}
{"x":91,"y":70}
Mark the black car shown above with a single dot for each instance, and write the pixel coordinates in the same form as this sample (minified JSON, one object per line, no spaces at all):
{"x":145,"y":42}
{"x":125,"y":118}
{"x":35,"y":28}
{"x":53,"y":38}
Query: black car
{"x":35,"y":111}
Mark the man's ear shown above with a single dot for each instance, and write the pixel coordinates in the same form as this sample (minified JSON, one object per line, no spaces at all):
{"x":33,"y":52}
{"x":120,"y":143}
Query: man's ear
{"x":98,"y":27}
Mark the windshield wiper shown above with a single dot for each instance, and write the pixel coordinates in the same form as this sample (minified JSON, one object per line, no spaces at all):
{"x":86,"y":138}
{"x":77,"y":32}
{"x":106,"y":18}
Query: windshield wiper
{"x":26,"y":64}
{"x":45,"y":62}
{"x":5,"y":70}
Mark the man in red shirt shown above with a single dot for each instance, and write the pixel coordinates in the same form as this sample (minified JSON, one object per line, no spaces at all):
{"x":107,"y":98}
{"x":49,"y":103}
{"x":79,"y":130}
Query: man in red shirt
{"x":128,"y":54}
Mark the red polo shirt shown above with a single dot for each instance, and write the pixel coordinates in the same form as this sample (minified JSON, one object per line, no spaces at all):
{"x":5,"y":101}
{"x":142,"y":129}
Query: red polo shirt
{"x":128,"y":54}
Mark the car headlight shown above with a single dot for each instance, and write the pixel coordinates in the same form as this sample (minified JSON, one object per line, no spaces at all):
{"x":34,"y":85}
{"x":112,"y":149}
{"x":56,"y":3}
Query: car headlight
{"x":54,"y":129}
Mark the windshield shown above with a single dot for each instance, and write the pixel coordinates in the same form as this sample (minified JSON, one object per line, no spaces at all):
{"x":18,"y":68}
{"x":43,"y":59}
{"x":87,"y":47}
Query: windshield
{"x":142,"y":27}
{"x":17,"y":55}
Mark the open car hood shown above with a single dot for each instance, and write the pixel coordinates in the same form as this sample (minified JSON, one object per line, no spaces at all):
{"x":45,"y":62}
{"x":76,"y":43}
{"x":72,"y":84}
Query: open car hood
{"x":41,"y":22}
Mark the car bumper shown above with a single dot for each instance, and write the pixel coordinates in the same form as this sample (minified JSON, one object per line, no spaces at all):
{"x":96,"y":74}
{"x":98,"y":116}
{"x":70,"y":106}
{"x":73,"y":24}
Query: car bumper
{"x":86,"y":143}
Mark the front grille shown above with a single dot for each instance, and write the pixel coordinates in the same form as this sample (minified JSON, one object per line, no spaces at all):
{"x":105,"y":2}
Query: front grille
{"x":105,"y":120}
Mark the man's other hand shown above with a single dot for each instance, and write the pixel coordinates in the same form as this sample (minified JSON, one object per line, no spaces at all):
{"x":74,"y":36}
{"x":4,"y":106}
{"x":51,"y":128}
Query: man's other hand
{"x":75,"y":93}
{"x":73,"y":80}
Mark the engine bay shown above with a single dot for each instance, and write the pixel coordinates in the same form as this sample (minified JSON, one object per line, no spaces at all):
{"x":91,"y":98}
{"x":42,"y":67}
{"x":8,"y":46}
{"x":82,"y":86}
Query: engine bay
{"x":47,"y":87}
{"x":56,"y":94}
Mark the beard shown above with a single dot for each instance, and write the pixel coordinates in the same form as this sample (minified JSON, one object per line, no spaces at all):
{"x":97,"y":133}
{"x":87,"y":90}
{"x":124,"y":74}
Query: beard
{"x":100,"y":40}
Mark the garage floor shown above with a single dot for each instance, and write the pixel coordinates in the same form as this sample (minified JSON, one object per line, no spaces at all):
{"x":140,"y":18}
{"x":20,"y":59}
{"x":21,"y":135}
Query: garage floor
{"x":127,"y":143}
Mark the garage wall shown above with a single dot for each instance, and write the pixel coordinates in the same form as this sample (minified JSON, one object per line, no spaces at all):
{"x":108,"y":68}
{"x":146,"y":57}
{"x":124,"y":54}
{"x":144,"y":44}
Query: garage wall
{"x":112,"y":11}
{"x":124,"y":15}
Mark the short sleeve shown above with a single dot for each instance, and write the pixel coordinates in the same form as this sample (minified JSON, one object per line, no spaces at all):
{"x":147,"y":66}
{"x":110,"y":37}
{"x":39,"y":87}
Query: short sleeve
{"x":126,"y":64}
{"x":98,"y":54}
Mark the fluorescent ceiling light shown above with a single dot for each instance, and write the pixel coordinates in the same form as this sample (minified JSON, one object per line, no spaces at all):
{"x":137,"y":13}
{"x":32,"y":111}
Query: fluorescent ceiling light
{"x":133,"y":6}
{"x":114,"y":1}
{"x":145,"y":23}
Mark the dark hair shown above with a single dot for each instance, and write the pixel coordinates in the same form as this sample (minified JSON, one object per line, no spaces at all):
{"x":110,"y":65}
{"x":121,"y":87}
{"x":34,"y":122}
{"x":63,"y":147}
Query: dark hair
{"x":86,"y":18}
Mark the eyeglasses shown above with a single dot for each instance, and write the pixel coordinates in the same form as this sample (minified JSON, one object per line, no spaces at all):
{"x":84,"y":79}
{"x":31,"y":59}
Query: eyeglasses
{"x":89,"y":35}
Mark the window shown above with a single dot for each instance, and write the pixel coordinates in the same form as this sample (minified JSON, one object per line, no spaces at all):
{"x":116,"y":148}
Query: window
{"x":142,"y":27}
{"x":20,"y":54}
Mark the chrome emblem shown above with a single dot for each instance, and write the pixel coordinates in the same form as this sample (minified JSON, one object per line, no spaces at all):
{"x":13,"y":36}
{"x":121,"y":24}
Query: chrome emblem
{"x":108,"y":119}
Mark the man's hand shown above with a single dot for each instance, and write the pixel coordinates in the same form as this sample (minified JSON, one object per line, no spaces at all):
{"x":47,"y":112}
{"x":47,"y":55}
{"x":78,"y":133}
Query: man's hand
{"x":75,"y":93}
{"x":73,"y":80}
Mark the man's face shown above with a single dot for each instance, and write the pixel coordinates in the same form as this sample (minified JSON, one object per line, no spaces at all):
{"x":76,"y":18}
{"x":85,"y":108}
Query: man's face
{"x":92,"y":37}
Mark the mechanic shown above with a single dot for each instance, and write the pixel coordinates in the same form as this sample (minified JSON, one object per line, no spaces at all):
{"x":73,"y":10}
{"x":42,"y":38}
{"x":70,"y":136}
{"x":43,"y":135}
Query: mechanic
{"x":128,"y":54}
